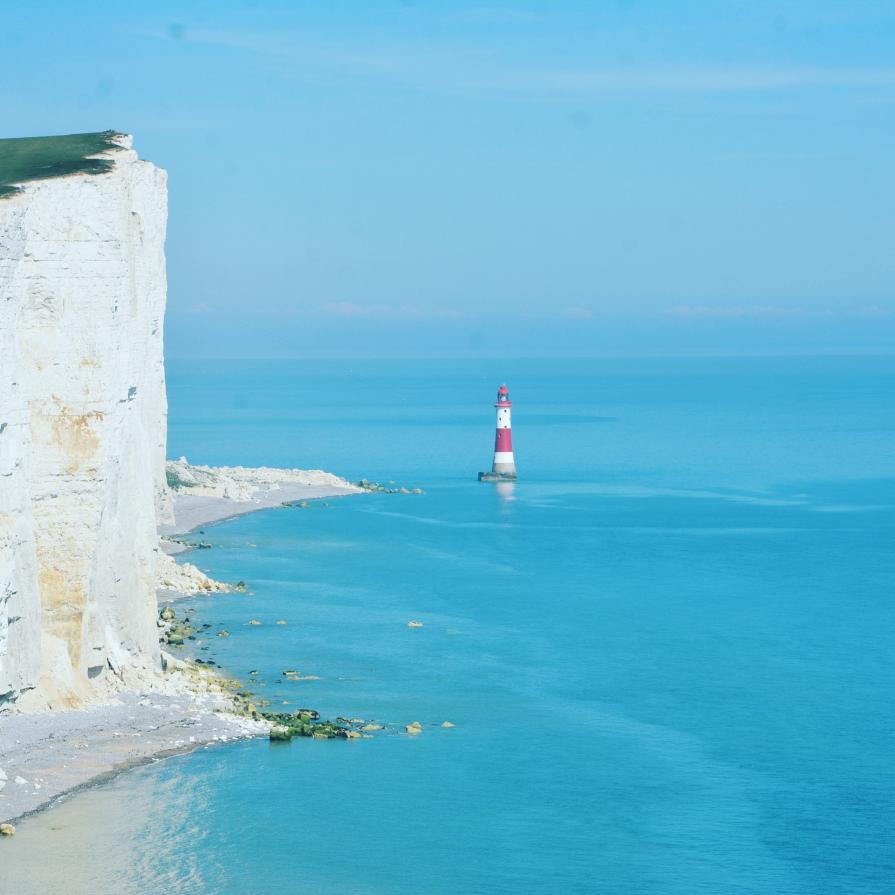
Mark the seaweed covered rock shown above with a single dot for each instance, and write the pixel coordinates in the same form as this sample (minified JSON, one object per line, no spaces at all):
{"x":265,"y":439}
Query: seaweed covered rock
{"x":377,"y":488}
{"x":303,"y":723}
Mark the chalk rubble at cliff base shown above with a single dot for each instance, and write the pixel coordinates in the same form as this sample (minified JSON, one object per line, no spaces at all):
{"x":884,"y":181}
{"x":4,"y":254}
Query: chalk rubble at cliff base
{"x":202,"y":495}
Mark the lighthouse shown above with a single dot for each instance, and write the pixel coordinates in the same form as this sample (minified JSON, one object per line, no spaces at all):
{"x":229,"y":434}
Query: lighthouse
{"x":504,"y":466}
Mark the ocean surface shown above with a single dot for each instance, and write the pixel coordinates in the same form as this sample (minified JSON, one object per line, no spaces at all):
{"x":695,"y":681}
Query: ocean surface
{"x":668,"y":650}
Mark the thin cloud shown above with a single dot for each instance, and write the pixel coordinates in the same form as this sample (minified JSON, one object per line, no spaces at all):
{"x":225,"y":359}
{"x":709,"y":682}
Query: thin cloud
{"x":455,"y":68}
{"x":351,"y":309}
{"x":198,"y":308}
{"x":576,"y":313}
{"x":721,"y":312}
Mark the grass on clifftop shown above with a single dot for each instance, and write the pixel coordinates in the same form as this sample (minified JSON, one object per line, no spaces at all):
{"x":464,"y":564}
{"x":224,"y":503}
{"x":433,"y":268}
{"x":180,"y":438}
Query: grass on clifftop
{"x":39,"y":158}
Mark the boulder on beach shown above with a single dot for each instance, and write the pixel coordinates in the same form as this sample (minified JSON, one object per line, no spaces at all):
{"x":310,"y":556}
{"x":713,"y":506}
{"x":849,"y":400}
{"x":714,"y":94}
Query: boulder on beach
{"x":7,"y":830}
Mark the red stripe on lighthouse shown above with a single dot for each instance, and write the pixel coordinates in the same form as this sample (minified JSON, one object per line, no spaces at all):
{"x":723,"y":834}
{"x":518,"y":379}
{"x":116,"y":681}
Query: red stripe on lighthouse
{"x":503,"y":443}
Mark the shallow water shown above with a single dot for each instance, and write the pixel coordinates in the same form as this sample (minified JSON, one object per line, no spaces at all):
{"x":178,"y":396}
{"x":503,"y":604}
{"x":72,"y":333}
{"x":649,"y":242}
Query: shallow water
{"x":668,"y":650}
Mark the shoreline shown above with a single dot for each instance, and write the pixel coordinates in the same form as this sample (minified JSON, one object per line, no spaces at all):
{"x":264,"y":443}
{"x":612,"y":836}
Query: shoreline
{"x":192,"y":511}
{"x":58,"y":753}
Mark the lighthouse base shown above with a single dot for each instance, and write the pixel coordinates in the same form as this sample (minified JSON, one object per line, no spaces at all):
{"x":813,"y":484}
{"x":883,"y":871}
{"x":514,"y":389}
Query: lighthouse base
{"x":497,"y":476}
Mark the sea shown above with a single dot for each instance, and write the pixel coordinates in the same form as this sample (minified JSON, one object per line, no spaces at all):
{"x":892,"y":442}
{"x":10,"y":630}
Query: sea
{"x":667,"y":650}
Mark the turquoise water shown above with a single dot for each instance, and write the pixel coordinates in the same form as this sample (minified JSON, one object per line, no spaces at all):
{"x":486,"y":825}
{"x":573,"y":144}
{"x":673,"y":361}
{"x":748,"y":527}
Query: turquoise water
{"x":668,"y":650}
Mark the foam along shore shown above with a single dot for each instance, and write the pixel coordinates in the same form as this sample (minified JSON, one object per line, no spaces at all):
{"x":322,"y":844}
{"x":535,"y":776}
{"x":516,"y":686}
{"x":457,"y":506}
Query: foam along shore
{"x":203,"y":495}
{"x":44,"y":755}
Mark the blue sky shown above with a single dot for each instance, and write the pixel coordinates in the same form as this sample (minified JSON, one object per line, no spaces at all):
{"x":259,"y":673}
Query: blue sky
{"x":410,"y":178}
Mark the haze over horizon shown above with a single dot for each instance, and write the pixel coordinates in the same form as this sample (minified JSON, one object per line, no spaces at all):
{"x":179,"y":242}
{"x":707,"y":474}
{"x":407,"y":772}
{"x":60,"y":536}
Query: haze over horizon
{"x":425,"y":178}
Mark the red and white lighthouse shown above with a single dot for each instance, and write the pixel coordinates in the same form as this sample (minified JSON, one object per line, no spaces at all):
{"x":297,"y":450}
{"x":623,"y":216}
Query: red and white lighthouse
{"x":504,"y":466}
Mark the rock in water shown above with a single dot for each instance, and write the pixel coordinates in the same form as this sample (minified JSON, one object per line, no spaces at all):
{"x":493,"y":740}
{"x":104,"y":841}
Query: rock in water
{"x":7,"y":830}
{"x":447,"y":724}
{"x":414,"y":624}
{"x":414,"y":728}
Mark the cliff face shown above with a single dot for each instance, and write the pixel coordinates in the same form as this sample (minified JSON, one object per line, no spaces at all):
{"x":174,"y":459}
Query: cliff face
{"x":82,"y":430}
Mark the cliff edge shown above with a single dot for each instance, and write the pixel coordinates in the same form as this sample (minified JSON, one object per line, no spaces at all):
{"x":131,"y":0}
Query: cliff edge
{"x":82,"y":417}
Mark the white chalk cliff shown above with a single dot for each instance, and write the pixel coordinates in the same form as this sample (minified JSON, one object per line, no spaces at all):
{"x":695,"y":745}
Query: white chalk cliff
{"x":82,"y":431}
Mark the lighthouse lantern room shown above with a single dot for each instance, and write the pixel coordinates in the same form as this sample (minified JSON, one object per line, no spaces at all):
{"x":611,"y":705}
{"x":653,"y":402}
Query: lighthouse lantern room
{"x":504,"y":465}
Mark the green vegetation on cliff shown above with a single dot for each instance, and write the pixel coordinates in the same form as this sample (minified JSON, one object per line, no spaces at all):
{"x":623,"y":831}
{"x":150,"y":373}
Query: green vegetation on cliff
{"x":39,"y":158}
